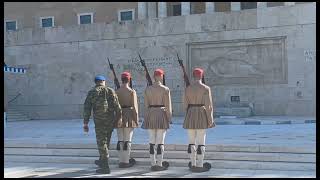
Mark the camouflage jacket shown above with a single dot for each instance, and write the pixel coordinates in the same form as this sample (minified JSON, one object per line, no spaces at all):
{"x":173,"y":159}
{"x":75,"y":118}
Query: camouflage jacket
{"x":104,"y":103}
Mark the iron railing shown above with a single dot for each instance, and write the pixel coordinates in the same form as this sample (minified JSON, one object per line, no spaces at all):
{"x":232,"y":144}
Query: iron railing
{"x":14,"y":98}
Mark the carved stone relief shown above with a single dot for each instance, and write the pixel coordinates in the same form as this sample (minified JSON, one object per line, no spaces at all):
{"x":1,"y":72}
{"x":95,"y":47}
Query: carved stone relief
{"x":250,"y":61}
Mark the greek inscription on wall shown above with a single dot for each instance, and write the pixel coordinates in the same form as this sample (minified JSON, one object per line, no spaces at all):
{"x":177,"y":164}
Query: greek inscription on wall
{"x":310,"y":55}
{"x":250,"y":61}
{"x":154,"y":57}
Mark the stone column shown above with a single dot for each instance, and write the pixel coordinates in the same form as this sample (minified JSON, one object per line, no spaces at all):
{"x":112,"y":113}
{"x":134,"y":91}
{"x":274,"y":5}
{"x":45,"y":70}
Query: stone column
{"x":152,"y":9}
{"x":289,"y":3}
{"x":261,"y":5}
{"x":209,"y":7}
{"x":235,"y":6}
{"x":185,"y":8}
{"x":162,"y":9}
{"x":142,"y":10}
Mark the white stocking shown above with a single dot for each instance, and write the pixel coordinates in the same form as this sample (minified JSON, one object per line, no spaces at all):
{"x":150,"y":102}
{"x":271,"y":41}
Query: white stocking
{"x":161,"y":133}
{"x":128,"y":132}
{"x":120,"y":133}
{"x":152,"y":140}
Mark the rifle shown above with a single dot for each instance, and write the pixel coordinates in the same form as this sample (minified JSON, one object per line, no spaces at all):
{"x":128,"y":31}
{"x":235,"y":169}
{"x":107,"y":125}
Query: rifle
{"x":149,"y":83}
{"x":147,"y":72}
{"x":186,"y":79}
{"x":116,"y":81}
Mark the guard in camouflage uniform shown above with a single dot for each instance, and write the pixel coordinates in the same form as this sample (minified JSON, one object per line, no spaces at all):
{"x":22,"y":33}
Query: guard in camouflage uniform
{"x":129,"y":105}
{"x":106,"y":112}
{"x":158,"y":112}
{"x":199,"y":117}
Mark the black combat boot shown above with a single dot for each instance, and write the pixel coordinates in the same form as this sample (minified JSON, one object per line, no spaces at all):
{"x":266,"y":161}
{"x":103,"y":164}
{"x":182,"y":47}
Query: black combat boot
{"x":104,"y":167}
{"x":131,"y":163}
{"x":190,"y":166}
{"x":199,"y":169}
{"x":123,"y":165}
{"x":98,"y":162}
{"x":158,"y":168}
{"x":154,"y":168}
{"x":206,"y":167}
{"x":165,"y":164}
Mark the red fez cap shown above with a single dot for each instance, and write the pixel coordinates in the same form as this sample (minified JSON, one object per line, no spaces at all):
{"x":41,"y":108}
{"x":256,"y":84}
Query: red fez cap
{"x":158,"y":72}
{"x":126,"y":75}
{"x":198,"y":72}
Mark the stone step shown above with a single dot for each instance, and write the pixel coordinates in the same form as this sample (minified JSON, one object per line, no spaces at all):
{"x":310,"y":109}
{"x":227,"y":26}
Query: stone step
{"x":11,"y":111}
{"x":51,"y":170}
{"x":14,"y":108}
{"x":15,"y":112}
{"x":169,"y":154}
{"x":17,"y":119}
{"x":230,"y":164}
{"x":16,"y":115}
{"x":233,"y":111}
{"x":21,"y":119}
{"x":64,"y":144}
{"x":9,"y":116}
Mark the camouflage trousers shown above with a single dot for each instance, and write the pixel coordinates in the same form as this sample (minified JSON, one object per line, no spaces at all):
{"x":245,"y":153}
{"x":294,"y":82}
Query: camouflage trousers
{"x":103,"y":137}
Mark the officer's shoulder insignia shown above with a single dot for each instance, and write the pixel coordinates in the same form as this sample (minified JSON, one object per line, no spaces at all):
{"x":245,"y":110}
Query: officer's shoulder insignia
{"x":93,"y":89}
{"x":111,"y":91}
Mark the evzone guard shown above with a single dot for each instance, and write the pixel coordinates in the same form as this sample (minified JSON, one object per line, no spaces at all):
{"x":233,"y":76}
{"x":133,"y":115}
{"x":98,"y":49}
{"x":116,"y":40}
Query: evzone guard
{"x":129,"y":105}
{"x":197,"y":103}
{"x":158,"y":112}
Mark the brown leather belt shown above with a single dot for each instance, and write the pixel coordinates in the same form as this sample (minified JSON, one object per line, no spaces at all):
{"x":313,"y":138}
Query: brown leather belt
{"x":126,"y":107}
{"x":156,"y":106}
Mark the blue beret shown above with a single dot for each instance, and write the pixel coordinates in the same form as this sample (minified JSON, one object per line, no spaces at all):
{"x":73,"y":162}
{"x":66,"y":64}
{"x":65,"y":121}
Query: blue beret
{"x":101,"y":78}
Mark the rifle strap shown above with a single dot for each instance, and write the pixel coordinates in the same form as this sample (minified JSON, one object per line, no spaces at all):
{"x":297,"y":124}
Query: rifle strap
{"x":203,"y":80}
{"x":164,"y":80}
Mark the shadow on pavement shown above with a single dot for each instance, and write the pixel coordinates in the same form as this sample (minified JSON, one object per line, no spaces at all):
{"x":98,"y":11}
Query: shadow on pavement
{"x":89,"y":174}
